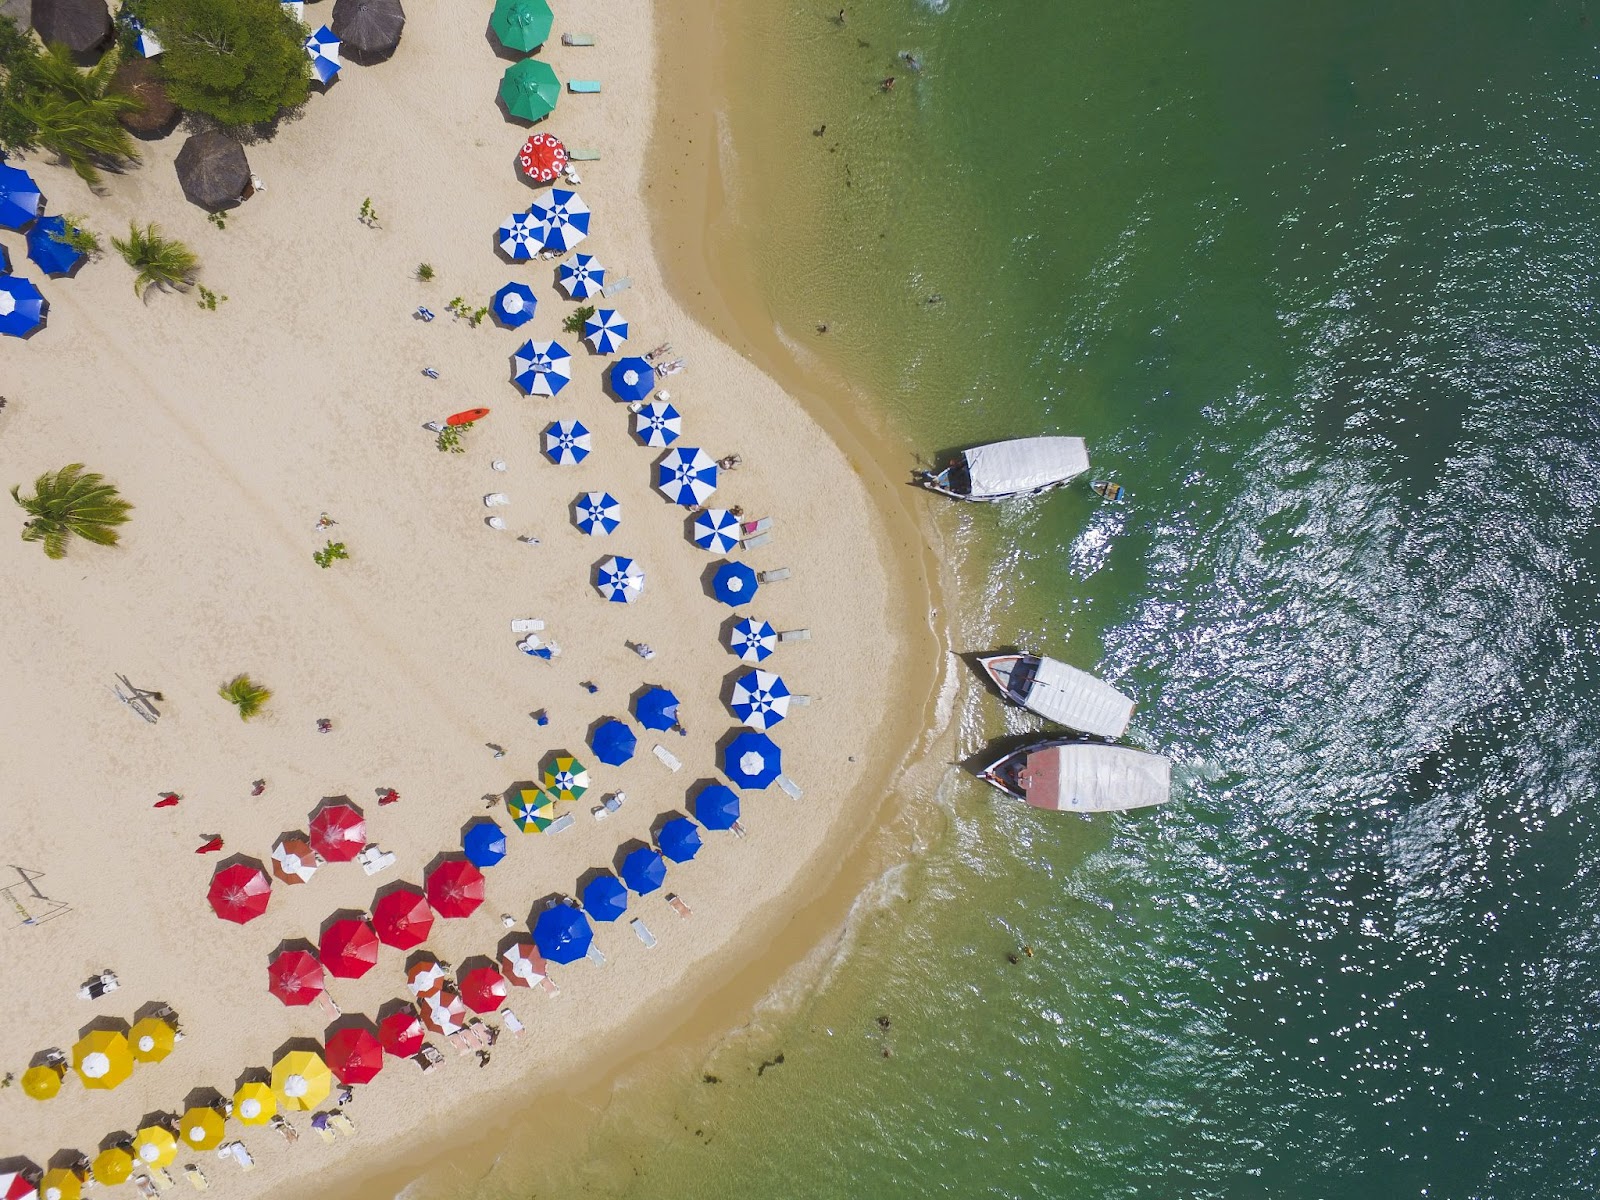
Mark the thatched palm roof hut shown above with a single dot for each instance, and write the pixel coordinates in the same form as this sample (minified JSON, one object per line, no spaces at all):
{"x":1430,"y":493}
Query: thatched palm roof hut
{"x":369,"y":29}
{"x":83,"y":26}
{"x":157,"y":114}
{"x":213,"y":170}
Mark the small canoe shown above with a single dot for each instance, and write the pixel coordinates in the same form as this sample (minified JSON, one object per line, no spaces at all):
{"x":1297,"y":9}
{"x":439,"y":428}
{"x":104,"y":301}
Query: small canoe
{"x":1111,"y":491}
{"x":468,"y":417}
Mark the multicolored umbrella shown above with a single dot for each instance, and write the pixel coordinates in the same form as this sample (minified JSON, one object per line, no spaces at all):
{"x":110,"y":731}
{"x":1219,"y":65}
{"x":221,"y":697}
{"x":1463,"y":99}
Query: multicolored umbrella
{"x":582,"y":277}
{"x":604,"y":898}
{"x":531,"y":810}
{"x":656,"y":708}
{"x":523,"y":964}
{"x":322,"y":48}
{"x":631,"y":379}
{"x":402,"y":1033}
{"x":484,"y":989}
{"x":349,"y":948}
{"x":613,"y":742}
{"x":657,"y":424}
{"x":201,"y":1128}
{"x":293,"y":859}
{"x":60,"y":1183}
{"x":295,"y":977}
{"x":48,"y":248}
{"x":644,"y":870}
{"x":752,"y":760}
{"x":520,"y":237}
{"x":716,"y":530}
{"x":619,"y":580}
{"x":239,"y":893}
{"x":514,"y":305}
{"x":103,"y":1059}
{"x":155,"y":1145}
{"x":355,"y":1055}
{"x":402,"y":918}
{"x":14,"y":1185}
{"x":734,"y":584}
{"x":716,"y":806}
{"x":20,"y":199}
{"x":605,"y":331}
{"x":254,"y":1103}
{"x":752,"y":639}
{"x":455,"y":888}
{"x":596,"y":513}
{"x":442,"y":1011}
{"x":112,"y":1165}
{"x":484,"y":844}
{"x":43,"y":1082}
{"x":151,"y":1039}
{"x":530,"y":89}
{"x":686,"y":475}
{"x":541,"y":368}
{"x":301,"y":1080}
{"x":566,"y":778}
{"x":564,"y":218}
{"x":521,"y":24}
{"x":22,"y":306}
{"x":542,"y":157}
{"x":760,"y":699}
{"x":425,"y":974}
{"x":338,"y":831}
{"x":562,"y":934}
{"x":566,"y":443}
{"x":679,"y":840}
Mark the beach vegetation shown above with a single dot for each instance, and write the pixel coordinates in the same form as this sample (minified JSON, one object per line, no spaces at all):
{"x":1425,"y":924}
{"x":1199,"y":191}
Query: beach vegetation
{"x":219,"y":219}
{"x":368,"y":215}
{"x":330,"y":554}
{"x":458,"y":307}
{"x":79,"y":236}
{"x":209,"y":299}
{"x":71,"y":503}
{"x":449,"y":439}
{"x":246,"y":695}
{"x":239,"y":62}
{"x":48,"y":101}
{"x":425,"y":272}
{"x":575,"y":319}
{"x":158,"y":262}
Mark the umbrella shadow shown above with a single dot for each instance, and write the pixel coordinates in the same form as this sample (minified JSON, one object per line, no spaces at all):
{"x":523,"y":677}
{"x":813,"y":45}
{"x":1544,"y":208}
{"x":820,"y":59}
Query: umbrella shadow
{"x":341,"y":914}
{"x":69,"y":1160}
{"x":117,"y":1137}
{"x":395,"y":1005}
{"x":551,"y":900}
{"x":155,"y":1008}
{"x":349,"y":1021}
{"x":296,"y":943}
{"x":19,"y":1165}
{"x":439,"y":859}
{"x":501,"y":50}
{"x":516,"y":939}
{"x":296,"y":1044}
{"x":657,"y":825}
{"x":548,"y":762}
{"x":203,"y":1097}
{"x":106,"y":1024}
{"x":469,"y":965}
{"x":511,"y":118}
{"x":517,"y":788}
{"x":251,"y":1075}
{"x":241,"y":860}
{"x":398,"y":885}
{"x":591,"y":875}
{"x":332,"y":801}
{"x":627,"y":848}
{"x":477,"y":821}
{"x":422,"y":958}
{"x":49,"y":1056}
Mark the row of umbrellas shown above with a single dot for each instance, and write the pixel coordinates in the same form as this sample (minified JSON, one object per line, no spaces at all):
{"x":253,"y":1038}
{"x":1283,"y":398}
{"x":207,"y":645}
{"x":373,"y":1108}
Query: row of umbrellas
{"x":557,"y":220}
{"x":22,"y":305}
{"x":240,"y":891}
{"x":103,"y":1059}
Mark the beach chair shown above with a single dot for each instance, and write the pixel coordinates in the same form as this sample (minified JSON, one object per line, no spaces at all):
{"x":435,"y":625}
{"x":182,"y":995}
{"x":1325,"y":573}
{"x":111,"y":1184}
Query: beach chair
{"x":777,"y":575}
{"x":196,"y":1177}
{"x":756,"y":541}
{"x":585,"y":87}
{"x":643,"y":930}
{"x":374,"y":860}
{"x":678,"y":906}
{"x":526,"y":625}
{"x":599,"y":812}
{"x":286,"y":1131}
{"x":243,"y":1158}
{"x":790,"y":787}
{"x":461,"y":1042}
{"x":577,"y":39}
{"x":799,"y":698}
{"x":751,"y":528}
{"x":343,"y":1124}
{"x":666,"y":756}
{"x":561,"y":824}
{"x":583,"y":155}
{"x":144,"y":1186}
{"x":428,"y":1057}
{"x":620,"y":284}
{"x":795,"y":635}
{"x":496,"y":499}
{"x":614,"y":801}
{"x":159,"y":1177}
{"x":595,"y":956}
{"x":512,"y":1022}
{"x":550,"y":987}
{"x":496,"y":523}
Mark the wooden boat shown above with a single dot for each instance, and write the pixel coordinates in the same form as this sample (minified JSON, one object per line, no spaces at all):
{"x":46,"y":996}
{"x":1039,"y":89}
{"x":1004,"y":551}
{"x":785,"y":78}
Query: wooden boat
{"x":1106,"y":489}
{"x":1064,"y":775}
{"x":1001,"y":470}
{"x":1060,"y":693}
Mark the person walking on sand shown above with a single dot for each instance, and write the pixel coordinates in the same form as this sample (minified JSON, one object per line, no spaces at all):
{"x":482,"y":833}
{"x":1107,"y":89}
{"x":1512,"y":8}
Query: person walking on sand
{"x":887,"y":85}
{"x":840,"y":17}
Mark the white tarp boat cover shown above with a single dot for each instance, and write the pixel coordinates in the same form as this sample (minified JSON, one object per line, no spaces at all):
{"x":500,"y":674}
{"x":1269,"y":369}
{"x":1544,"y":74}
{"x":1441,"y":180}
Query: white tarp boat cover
{"x":1025,"y":464}
{"x":1087,"y":777}
{"x":1078,"y":700}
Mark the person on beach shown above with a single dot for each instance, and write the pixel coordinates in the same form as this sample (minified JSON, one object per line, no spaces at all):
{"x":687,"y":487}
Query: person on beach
{"x":168,"y":800}
{"x":499,"y":751}
{"x":258,"y":787}
{"x":324,"y":725}
{"x":840,"y":17}
{"x":387,"y":796}
{"x":910,"y":60}
{"x":887,"y":85}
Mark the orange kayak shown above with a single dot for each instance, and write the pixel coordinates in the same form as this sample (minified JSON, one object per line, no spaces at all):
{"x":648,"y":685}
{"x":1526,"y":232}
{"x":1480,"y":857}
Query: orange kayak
{"x":466,"y":418}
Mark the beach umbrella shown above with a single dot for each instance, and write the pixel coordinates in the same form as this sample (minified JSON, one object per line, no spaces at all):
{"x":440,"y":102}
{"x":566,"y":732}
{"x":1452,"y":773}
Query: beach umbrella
{"x":679,"y":840}
{"x":484,"y":989}
{"x":656,"y":709}
{"x":484,"y":844}
{"x":582,"y":277}
{"x":424,"y":975}
{"x":716,"y":530}
{"x":521,"y":24}
{"x":322,"y":48}
{"x":531,"y":810}
{"x":566,"y":778}
{"x":734,"y":584}
{"x":566,"y":443}
{"x":619,"y":580}
{"x":102,"y":1059}
{"x":402,"y":1033}
{"x":605,"y":899}
{"x":354,"y":1055}
{"x":155,"y":1145}
{"x":564,"y":216}
{"x":239,"y":893}
{"x":686,"y":475}
{"x":370,"y":29}
{"x":541,"y":368}
{"x":82,"y":26}
{"x":605,"y":331}
{"x":752,"y":760}
{"x":144,"y":41}
{"x":514,"y":305}
{"x":293,"y":860}
{"x":48,"y":249}
{"x":254,"y":1103}
{"x":201,"y":1128}
{"x":542,"y":157}
{"x":455,"y":888}
{"x":442,"y":1011}
{"x":22,"y":306}
{"x":522,"y":963}
{"x":519,"y":236}
{"x":402,"y":918}
{"x":20,"y":199}
{"x":112,"y":1165}
{"x":562,"y":934}
{"x":644,"y":870}
{"x":597,"y":513}
{"x":631,"y":379}
{"x":613,"y":743}
{"x":716,"y":806}
{"x":530,"y":89}
{"x":657,"y":424}
{"x":753,"y":639}
{"x":301,"y":1080}
{"x":760,"y":699}
{"x":338,"y":831}
{"x":60,"y":1184}
{"x":295,"y":8}
{"x":151,"y":1039}
{"x":212,"y":170}
{"x":295,"y":977}
{"x":349,"y":948}
{"x":14,"y":1185}
{"x":43,"y":1082}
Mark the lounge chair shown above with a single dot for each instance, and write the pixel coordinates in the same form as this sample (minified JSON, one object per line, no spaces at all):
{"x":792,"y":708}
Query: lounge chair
{"x":678,"y":906}
{"x":778,"y":575}
{"x":585,"y":87}
{"x":324,"y":1133}
{"x":594,"y":955}
{"x":666,"y":756}
{"x":428,"y":1057}
{"x":561,"y":824}
{"x":790,"y":787}
{"x":757,"y":540}
{"x":751,"y":528}
{"x":373,"y":860}
{"x":795,"y":635}
{"x":287,"y":1131}
{"x":496,"y":499}
{"x":496,"y":523}
{"x":197,"y":1177}
{"x":143,"y":1184}
{"x":343,"y":1124}
{"x":643,"y":930}
{"x":512,"y":1023}
{"x":583,"y":155}
{"x":577,"y":39}
{"x":159,"y":1177}
{"x":242,"y":1156}
{"x":614,"y":801}
{"x":620,"y":284}
{"x":799,"y":698}
{"x":526,"y":625}
{"x":600,"y":812}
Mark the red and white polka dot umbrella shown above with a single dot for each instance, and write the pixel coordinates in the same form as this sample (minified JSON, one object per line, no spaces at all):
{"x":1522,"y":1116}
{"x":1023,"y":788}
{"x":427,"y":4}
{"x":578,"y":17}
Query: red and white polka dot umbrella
{"x":542,"y":157}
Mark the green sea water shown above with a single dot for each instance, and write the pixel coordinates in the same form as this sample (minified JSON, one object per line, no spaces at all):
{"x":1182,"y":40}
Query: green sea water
{"x":1317,"y":283}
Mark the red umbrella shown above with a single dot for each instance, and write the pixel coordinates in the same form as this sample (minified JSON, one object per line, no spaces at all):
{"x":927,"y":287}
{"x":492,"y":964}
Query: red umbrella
{"x":239,"y":893}
{"x":542,"y":157}
{"x":295,"y":977}
{"x":401,"y":1033}
{"x":484,"y":989}
{"x":455,"y":888}
{"x":442,"y":1011}
{"x":402,"y":919}
{"x":354,"y":1055}
{"x":349,"y":948}
{"x":338,"y":831}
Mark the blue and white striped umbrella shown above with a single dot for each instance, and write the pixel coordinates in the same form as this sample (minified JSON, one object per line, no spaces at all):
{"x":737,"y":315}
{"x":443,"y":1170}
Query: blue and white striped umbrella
{"x":566,"y":443}
{"x":563,"y":219}
{"x":619,"y":580}
{"x":514,"y":305}
{"x":541,"y":368}
{"x":520,"y":236}
{"x":145,"y":42}
{"x":597,"y":513}
{"x":760,"y":699}
{"x":322,"y":47}
{"x":657,"y":424}
{"x":582,"y":277}
{"x":716,"y":530}
{"x":686,"y":476}
{"x":605,"y":331}
{"x":753,"y":639}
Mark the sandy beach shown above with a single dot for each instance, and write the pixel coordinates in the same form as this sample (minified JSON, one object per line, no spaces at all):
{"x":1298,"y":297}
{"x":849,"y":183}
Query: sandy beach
{"x":230,"y":431}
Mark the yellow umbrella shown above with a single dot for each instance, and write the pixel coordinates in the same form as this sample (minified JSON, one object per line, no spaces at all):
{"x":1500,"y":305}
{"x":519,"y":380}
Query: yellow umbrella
{"x":155,"y":1146}
{"x":60,"y":1184}
{"x":102,"y":1060}
{"x":201,"y":1128}
{"x":152,"y":1039}
{"x":113,"y":1165}
{"x":301,"y":1080}
{"x":42,"y":1082}
{"x":254,"y":1104}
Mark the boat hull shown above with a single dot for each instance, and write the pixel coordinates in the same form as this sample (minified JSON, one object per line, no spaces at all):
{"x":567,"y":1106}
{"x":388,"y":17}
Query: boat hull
{"x":1007,"y":470}
{"x":1068,"y":775}
{"x":1060,"y":693}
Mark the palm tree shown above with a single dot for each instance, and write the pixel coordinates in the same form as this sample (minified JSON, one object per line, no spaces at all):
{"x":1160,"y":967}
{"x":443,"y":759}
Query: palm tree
{"x":73,"y":112}
{"x":245,"y":694}
{"x":159,"y":262}
{"x":68,"y":503}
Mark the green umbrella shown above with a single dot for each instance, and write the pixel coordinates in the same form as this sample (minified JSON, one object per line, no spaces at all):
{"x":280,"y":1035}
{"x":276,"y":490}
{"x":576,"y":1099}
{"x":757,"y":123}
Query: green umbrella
{"x":530,"y":89}
{"x":522,"y":24}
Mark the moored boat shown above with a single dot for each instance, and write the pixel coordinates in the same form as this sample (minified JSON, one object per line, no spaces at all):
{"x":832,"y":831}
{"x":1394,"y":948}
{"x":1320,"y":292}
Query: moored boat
{"x":1060,"y":693}
{"x":1078,"y":776}
{"x":1001,"y":470}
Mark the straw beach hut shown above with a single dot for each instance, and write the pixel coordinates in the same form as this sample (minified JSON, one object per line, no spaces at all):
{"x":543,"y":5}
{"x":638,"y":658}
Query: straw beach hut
{"x":82,"y":26}
{"x":369,"y":29}
{"x":213,"y":170}
{"x":156,"y":115}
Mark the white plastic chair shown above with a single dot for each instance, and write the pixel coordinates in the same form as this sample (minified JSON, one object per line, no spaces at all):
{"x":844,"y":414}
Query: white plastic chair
{"x":496,"y":523}
{"x":496,"y":499}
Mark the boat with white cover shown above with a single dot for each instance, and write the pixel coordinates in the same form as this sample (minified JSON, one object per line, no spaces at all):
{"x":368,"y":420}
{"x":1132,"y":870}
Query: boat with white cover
{"x":1079,"y":776}
{"x":1060,"y":693}
{"x":1001,"y":470}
